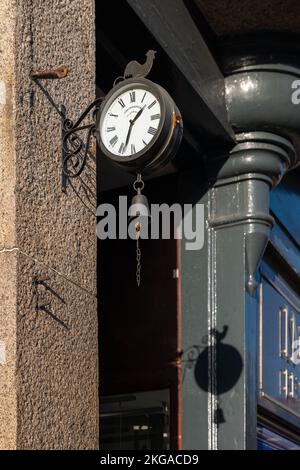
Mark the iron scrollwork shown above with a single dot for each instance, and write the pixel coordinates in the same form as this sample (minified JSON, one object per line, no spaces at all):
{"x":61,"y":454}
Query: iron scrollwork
{"x":75,"y":149}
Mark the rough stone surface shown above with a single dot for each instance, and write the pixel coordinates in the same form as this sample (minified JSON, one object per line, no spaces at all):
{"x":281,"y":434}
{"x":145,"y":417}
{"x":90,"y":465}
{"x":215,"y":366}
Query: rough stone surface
{"x":244,"y":16}
{"x":57,"y":368}
{"x":8,"y":393}
{"x":52,"y":366}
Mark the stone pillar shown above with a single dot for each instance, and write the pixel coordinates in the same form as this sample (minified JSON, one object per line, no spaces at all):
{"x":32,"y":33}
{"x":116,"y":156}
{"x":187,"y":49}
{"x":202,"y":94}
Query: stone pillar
{"x":8,"y":257}
{"x":48,"y":328}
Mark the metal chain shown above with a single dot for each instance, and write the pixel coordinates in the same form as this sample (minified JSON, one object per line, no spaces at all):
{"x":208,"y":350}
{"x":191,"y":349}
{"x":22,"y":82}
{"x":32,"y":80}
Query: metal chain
{"x":138,"y":183}
{"x":138,"y":260}
{"x":138,"y":186}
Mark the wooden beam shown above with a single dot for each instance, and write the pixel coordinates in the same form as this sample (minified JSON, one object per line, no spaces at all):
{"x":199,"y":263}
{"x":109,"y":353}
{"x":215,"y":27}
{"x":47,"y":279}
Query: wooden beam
{"x":201,"y":97}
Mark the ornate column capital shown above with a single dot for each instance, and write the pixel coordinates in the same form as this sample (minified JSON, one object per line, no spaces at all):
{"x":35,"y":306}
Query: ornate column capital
{"x":265,"y":98}
{"x":259,"y":153}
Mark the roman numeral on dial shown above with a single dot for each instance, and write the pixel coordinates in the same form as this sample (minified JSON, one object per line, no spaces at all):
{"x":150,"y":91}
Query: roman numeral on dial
{"x":121,"y":148}
{"x":114,"y":140}
{"x":133,"y":149}
{"x":152,"y":130}
{"x":110,"y":129}
{"x":152,"y":104}
{"x":155,"y":116}
{"x":121,"y":103}
{"x":132,"y":96}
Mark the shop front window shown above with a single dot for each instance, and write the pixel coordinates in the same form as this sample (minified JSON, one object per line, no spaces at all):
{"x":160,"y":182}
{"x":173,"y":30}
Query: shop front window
{"x":269,"y":440}
{"x":138,"y":421}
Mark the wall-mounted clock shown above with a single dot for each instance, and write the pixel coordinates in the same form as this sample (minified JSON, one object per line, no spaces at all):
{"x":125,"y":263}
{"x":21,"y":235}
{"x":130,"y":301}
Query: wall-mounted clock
{"x":139,"y":126}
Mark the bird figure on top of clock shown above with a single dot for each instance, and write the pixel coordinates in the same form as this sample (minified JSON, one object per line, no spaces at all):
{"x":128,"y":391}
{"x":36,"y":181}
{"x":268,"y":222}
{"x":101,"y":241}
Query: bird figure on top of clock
{"x":136,"y":70}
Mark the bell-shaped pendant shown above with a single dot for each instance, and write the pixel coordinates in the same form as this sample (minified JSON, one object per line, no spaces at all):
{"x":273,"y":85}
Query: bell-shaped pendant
{"x":139,"y":204}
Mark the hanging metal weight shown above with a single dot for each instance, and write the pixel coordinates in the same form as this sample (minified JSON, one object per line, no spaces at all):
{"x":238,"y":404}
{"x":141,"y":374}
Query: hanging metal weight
{"x":139,"y":209}
{"x":139,"y":203}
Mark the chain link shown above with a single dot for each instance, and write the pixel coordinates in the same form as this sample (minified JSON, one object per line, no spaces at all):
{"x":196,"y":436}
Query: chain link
{"x":138,"y":183}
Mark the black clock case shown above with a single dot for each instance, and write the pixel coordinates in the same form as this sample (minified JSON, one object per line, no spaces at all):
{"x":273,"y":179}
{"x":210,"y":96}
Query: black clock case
{"x":162,"y":148}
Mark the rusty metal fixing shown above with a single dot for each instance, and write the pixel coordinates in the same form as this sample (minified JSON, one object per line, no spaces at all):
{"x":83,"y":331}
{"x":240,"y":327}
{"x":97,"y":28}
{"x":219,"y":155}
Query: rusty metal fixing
{"x":60,"y":72}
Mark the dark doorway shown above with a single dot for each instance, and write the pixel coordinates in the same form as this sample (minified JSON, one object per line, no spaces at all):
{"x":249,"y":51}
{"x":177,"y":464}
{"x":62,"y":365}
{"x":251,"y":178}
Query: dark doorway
{"x":138,"y":332}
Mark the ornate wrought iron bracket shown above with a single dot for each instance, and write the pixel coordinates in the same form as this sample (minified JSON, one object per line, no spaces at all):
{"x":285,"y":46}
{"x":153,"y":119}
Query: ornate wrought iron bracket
{"x":75,"y":147}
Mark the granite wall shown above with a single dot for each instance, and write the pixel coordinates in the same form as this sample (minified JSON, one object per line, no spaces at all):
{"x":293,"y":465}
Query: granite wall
{"x":48,"y":331}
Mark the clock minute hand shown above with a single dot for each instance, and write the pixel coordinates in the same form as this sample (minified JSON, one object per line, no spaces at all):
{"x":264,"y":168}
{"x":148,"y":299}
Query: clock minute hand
{"x":128,"y":134}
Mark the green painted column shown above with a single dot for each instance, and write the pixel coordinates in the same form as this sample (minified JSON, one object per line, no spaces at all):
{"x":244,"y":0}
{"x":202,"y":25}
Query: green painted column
{"x":219,"y":283}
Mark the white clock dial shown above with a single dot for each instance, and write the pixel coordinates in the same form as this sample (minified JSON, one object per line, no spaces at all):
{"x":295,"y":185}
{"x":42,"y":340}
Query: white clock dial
{"x":130,"y":122}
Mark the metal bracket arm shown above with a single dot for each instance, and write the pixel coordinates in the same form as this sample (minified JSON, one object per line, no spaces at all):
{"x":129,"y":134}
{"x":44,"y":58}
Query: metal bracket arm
{"x":74,"y":148}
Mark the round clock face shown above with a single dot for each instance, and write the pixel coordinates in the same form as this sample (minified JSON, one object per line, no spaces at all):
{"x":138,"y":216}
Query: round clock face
{"x":130,"y":121}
